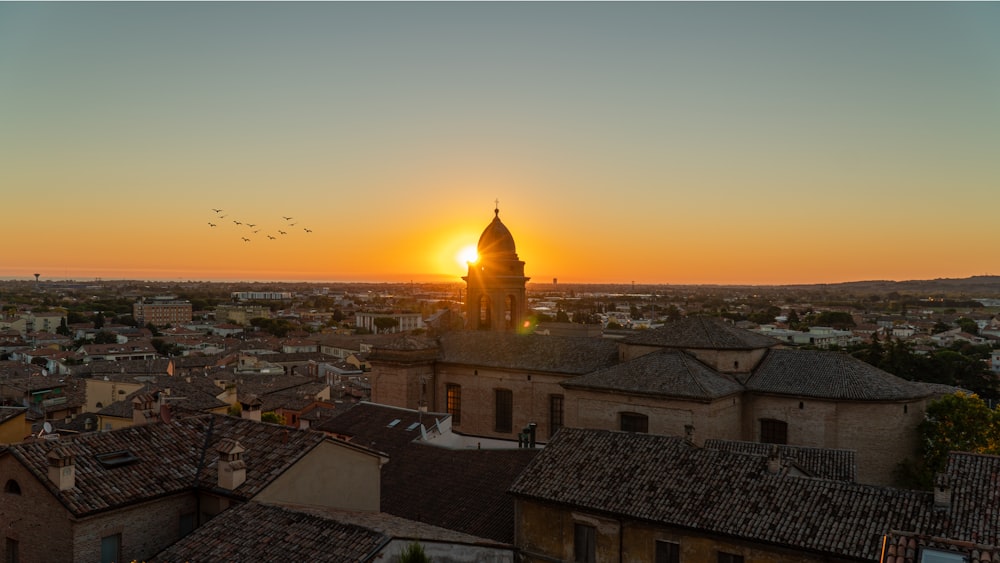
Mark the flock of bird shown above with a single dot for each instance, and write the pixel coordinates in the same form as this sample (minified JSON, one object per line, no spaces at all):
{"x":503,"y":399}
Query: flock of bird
{"x":289,"y":223}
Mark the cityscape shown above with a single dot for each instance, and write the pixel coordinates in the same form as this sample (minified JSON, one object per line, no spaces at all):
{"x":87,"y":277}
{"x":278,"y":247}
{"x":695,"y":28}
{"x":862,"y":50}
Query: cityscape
{"x":667,"y":282}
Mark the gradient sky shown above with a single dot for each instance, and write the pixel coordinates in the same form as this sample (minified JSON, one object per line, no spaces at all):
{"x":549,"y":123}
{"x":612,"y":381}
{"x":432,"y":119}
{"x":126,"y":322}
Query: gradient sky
{"x":676,"y":143}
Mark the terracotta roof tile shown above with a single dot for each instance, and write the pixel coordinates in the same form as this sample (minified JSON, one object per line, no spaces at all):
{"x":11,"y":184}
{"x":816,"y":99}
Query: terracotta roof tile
{"x":829,"y":375}
{"x":702,"y":333}
{"x":669,"y":373}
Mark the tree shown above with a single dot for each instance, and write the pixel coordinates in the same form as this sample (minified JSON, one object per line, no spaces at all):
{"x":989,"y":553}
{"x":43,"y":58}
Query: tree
{"x":957,"y":422}
{"x":414,"y":553}
{"x":236,"y":409}
{"x":968,"y":325}
{"x":63,"y":328}
{"x":99,"y":321}
{"x":272,"y":417}
{"x":105,"y":337}
{"x":561,"y":316}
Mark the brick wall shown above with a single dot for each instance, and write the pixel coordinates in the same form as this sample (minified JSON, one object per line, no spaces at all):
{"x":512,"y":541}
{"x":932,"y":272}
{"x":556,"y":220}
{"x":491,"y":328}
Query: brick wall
{"x":146,"y":529}
{"x":35,"y":518}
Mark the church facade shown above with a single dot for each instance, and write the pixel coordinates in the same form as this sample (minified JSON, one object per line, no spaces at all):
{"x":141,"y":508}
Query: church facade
{"x":699,"y":377}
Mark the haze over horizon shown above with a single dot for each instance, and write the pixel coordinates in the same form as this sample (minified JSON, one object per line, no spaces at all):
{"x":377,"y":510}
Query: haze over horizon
{"x":656,"y":143}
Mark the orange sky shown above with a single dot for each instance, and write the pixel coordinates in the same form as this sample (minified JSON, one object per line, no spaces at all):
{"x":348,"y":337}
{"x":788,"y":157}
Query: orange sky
{"x":675,"y":143}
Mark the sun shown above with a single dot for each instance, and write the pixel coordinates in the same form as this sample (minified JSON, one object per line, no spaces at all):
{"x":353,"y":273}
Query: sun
{"x":466,"y":255}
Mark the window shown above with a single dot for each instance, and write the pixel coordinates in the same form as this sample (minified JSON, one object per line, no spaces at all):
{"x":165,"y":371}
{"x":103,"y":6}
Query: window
{"x":773,"y":431}
{"x":729,"y":557}
{"x":485,"y":316}
{"x":668,"y":552}
{"x":584,"y":543}
{"x":634,"y":422}
{"x":111,"y":548}
{"x":555,"y":414}
{"x":11,"y":552}
{"x":12,"y":488}
{"x":454,"y":399}
{"x":930,"y":555}
{"x":504,"y":410}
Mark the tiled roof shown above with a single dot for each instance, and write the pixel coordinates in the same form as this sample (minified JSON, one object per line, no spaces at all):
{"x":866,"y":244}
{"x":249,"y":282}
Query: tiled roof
{"x":829,"y":375}
{"x":701,"y":333}
{"x":823,"y":463}
{"x":260,"y":532}
{"x":557,"y":354}
{"x":975,"y":513}
{"x":462,"y":490}
{"x":668,"y":373}
{"x":675,"y":484}
{"x":168,"y":456}
{"x":905,"y":547}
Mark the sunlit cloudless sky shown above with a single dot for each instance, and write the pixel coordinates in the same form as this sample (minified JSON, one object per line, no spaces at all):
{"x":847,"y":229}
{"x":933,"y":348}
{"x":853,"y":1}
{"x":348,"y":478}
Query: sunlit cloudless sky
{"x":716,"y":142}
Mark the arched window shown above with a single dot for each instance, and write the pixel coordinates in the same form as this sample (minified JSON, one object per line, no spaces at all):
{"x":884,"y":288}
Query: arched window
{"x":12,"y":488}
{"x":485,"y":313}
{"x":508,"y":311}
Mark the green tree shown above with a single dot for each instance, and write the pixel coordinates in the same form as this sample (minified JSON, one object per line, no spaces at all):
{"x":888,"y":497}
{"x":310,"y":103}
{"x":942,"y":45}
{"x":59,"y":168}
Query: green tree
{"x":957,"y":422}
{"x":968,"y":325}
{"x":105,"y":337}
{"x":272,"y":417}
{"x":236,"y":409}
{"x":414,"y":553}
{"x":63,"y":328}
{"x":99,"y":321}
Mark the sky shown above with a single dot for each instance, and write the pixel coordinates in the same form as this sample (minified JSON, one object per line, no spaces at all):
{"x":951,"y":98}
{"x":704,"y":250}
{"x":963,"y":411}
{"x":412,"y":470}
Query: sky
{"x":649,"y":142}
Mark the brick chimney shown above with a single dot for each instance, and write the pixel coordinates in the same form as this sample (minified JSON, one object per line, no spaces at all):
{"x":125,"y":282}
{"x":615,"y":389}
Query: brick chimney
{"x":942,"y":492}
{"x":62,"y":469}
{"x":232,"y":468}
{"x":142,"y":409}
{"x":251,"y":408}
{"x":774,"y":461}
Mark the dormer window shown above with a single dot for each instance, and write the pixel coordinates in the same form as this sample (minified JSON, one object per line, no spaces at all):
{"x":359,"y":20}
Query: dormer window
{"x":12,"y":488}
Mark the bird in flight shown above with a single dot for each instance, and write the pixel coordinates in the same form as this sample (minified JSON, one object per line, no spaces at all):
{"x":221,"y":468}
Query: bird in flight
{"x":251,"y":225}
{"x":223,"y":216}
{"x":293,"y":224}
{"x":211,"y":224}
{"x":270,"y":237}
{"x":286,"y":218}
{"x":256,"y":231}
{"x":282,"y":232}
{"x":245,"y":239}
{"x":237,"y":222}
{"x":308,"y":230}
{"x":217,"y":210}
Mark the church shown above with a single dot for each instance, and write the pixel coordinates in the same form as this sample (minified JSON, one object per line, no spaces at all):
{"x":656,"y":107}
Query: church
{"x":699,"y":378}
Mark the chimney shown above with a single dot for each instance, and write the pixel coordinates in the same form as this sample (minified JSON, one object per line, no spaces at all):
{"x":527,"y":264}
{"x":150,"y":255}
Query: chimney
{"x":942,"y":492}
{"x":232,"y":468}
{"x":774,"y":461}
{"x":689,"y":433}
{"x":142,"y":409}
{"x":251,"y":408}
{"x":62,"y":469}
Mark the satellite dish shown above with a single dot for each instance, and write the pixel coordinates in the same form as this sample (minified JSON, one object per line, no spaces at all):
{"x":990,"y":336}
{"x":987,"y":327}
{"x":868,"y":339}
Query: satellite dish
{"x":47,"y":427}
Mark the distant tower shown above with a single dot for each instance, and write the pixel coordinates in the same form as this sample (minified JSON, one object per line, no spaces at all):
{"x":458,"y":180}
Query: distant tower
{"x":495,"y":297}
{"x":36,"y":281}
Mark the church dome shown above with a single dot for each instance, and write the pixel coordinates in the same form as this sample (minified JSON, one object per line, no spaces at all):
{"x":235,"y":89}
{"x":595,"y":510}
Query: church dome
{"x":496,"y":241}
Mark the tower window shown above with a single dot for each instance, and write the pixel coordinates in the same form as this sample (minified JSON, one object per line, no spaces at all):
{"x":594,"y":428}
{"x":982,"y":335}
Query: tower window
{"x":485,"y":315}
{"x":555,"y":414}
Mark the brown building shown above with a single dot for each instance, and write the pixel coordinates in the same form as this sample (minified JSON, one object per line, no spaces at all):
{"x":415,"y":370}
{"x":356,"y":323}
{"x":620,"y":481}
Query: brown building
{"x":697,"y":377}
{"x":680,"y":502}
{"x":161,"y":312}
{"x":127,"y":494}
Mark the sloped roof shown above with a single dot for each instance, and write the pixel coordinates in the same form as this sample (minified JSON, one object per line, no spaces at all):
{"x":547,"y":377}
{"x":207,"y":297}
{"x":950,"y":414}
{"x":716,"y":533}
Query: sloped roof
{"x":907,"y":547}
{"x":565,"y":355}
{"x":170,"y":458}
{"x":260,"y":532}
{"x":669,"y":373}
{"x":975,"y":496}
{"x":673,"y":483}
{"x":701,"y":333}
{"x":461,"y":490}
{"x":829,"y":375}
{"x":822,"y":463}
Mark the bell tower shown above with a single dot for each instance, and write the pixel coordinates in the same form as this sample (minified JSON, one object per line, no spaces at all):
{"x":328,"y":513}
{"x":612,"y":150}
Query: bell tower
{"x":495,"y":286}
